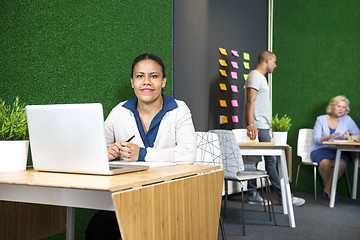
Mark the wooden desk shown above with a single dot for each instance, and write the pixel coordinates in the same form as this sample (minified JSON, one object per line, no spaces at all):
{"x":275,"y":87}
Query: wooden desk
{"x":344,"y":146}
{"x":284,"y":152}
{"x":181,"y":201}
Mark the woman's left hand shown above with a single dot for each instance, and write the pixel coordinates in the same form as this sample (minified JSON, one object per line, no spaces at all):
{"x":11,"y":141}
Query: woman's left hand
{"x":346,"y":135}
{"x":129,"y":151}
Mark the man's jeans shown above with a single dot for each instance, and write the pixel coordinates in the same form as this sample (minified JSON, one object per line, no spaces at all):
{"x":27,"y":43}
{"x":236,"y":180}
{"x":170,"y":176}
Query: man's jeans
{"x":270,"y":166}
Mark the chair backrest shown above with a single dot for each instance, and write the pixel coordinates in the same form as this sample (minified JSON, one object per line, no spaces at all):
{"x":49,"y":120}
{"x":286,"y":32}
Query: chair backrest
{"x":241,"y":135}
{"x":305,"y":144}
{"x":230,"y":152}
{"x":208,"y":149}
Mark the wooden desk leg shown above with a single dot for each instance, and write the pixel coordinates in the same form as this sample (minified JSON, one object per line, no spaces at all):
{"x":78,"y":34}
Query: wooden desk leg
{"x":70,"y":223}
{"x":356,"y":170}
{"x":185,"y":208}
{"x":335,"y":178}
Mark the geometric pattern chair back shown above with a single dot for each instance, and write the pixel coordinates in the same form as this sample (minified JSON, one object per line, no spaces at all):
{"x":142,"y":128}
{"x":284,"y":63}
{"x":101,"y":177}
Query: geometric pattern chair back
{"x":208,"y":149}
{"x":305,"y":144}
{"x":230,"y":152}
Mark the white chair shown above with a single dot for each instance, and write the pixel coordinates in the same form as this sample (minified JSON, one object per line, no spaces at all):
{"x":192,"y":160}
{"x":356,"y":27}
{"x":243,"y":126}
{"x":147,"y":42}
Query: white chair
{"x":208,"y":153}
{"x":235,"y":170}
{"x":304,"y":147}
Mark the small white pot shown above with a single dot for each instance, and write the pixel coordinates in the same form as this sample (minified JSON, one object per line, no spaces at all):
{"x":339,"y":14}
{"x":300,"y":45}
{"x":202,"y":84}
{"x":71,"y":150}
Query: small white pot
{"x":13,"y":155}
{"x":280,"y":138}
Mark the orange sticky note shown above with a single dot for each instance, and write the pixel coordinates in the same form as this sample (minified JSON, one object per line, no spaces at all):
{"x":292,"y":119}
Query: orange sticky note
{"x":223,"y":119}
{"x":222,"y":62}
{"x":223,"y":103}
{"x":245,"y":76}
{"x":223,"y":86}
{"x":223,"y":51}
{"x":223,"y":72}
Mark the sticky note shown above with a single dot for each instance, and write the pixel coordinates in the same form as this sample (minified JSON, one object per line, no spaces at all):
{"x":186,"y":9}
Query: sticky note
{"x":223,"y":103}
{"x":234,"y":103}
{"x":235,"y":119}
{"x":234,"y":75}
{"x":234,"y":64}
{"x":246,"y":65}
{"x":234,"y":88}
{"x":223,"y":119}
{"x":245,"y":76}
{"x":246,"y":56}
{"x":222,"y":62}
{"x":223,"y":72}
{"x":223,"y":86}
{"x":223,"y":51}
{"x":235,"y":53}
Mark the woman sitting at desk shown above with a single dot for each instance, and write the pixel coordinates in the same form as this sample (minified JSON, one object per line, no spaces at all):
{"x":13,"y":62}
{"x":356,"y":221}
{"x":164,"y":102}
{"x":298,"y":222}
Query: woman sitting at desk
{"x":335,"y":125}
{"x":162,"y":126}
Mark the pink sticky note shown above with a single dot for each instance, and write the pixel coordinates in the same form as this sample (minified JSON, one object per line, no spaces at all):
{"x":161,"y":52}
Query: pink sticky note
{"x":234,"y":75}
{"x":234,"y":88}
{"x":235,"y":53}
{"x":234,"y":103}
{"x":235,"y":118}
{"x":234,"y":64}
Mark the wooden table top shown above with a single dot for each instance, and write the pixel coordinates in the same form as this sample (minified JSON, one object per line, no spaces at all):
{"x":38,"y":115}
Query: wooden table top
{"x":341,"y":143}
{"x":113,"y":183}
{"x":265,"y":145}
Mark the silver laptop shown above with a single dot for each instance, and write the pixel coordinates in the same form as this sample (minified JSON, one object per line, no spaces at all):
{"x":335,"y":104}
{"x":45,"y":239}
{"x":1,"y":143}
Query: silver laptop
{"x":71,"y":138}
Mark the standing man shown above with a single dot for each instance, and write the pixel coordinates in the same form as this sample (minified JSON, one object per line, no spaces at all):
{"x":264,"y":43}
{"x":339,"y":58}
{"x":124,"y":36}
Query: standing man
{"x":258,"y":113}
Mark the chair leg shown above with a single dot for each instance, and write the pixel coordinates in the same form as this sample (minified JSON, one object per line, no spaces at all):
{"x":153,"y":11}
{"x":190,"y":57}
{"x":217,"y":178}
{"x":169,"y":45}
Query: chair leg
{"x":225,"y":198}
{"x":348,"y":183}
{"x":267,"y":197}
{"x":262,"y":191}
{"x":297,"y":176}
{"x":267,"y":184}
{"x":243,"y":208}
{"x":222,"y":228}
{"x":315,"y":193}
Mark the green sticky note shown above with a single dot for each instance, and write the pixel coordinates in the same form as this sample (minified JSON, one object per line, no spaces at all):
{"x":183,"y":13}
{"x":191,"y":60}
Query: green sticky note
{"x":246,"y":56}
{"x":245,"y":76}
{"x":246,"y":65}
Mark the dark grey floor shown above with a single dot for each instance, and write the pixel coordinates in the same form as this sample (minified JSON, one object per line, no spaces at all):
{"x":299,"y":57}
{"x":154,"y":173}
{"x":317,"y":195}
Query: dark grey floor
{"x":314,"y":220}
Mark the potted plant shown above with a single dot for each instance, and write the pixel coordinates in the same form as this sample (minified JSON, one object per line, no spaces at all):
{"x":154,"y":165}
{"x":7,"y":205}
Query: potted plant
{"x":14,"y":137}
{"x":280,"y":128}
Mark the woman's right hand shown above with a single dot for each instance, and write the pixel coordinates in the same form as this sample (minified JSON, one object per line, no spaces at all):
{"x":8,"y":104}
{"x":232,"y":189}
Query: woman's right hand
{"x":334,"y":135}
{"x":114,"y":151}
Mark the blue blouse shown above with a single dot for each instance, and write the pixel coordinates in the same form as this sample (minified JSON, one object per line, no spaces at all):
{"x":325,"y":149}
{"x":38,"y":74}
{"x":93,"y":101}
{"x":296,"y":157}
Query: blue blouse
{"x":148,"y":139}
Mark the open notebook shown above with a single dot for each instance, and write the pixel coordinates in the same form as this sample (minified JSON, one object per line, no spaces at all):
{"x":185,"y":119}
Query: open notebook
{"x":71,"y":138}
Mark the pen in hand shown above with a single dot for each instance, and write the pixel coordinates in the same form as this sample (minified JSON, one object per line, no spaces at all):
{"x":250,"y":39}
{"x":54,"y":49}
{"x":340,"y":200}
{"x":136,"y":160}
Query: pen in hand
{"x":130,"y":139}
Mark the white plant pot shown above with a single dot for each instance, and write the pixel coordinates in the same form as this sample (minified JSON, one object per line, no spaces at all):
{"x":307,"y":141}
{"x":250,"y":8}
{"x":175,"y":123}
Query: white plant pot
{"x":13,"y":155}
{"x":280,"y":138}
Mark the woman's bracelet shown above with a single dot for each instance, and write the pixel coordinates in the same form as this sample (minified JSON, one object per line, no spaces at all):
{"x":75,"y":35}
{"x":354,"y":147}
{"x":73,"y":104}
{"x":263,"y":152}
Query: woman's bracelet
{"x":251,"y":125}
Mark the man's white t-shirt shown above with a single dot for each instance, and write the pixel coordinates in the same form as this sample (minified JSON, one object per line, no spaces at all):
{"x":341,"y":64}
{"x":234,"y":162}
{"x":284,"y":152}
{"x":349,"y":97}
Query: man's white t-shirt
{"x":262,"y":111}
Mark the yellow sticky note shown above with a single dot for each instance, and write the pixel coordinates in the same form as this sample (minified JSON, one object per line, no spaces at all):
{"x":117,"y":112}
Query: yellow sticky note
{"x":223,"y":72}
{"x":223,"y":51}
{"x":223,"y":86}
{"x":222,"y":62}
{"x":223,"y":103}
{"x":245,"y":76}
{"x":246,"y":65}
{"x":223,"y":119}
{"x":246,"y":56}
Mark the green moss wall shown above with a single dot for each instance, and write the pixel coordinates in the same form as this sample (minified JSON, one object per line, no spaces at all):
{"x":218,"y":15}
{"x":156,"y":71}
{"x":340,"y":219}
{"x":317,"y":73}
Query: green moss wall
{"x":317,"y":45}
{"x":79,"y":51}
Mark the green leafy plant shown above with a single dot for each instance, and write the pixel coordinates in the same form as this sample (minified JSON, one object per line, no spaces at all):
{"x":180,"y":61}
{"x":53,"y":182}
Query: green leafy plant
{"x":13,"y":123}
{"x":282,"y":124}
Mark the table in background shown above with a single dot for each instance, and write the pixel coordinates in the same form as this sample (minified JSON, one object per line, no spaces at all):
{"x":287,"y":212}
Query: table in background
{"x":350,"y":147}
{"x":181,"y":201}
{"x":284,"y":167}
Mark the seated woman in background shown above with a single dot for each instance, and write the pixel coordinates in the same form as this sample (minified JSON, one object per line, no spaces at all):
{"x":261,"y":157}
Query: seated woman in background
{"x":335,"y":125}
{"x":162,"y":126}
